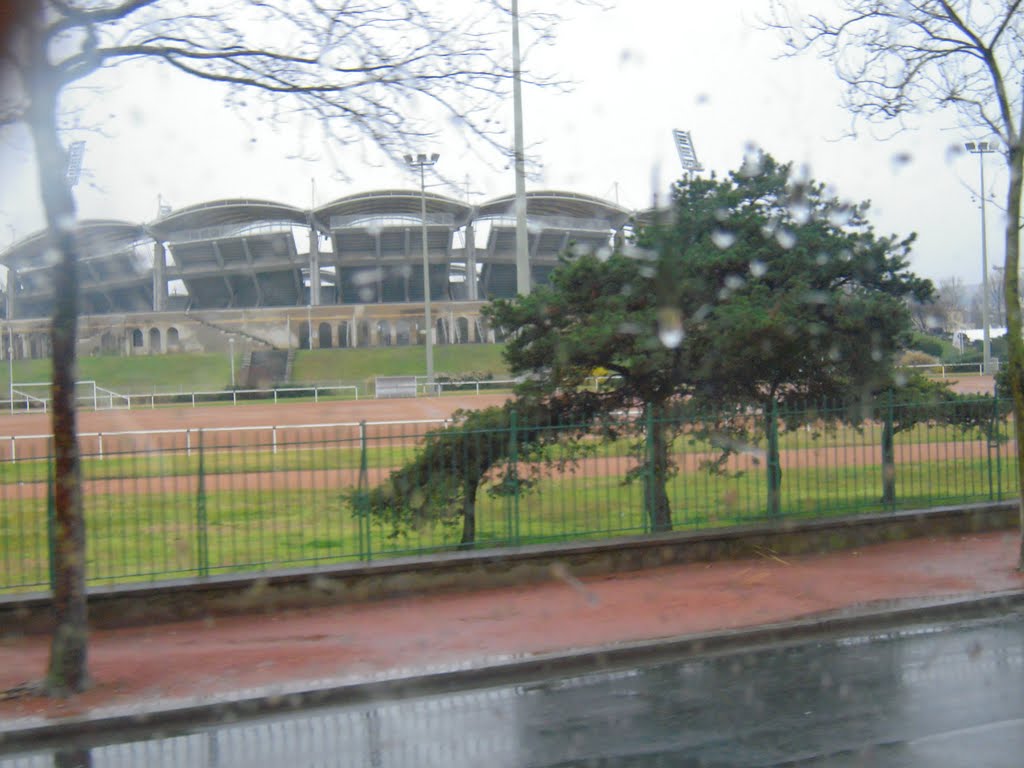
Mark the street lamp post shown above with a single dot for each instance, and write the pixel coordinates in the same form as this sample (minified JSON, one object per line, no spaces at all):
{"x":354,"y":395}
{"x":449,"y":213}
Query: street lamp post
{"x":231,"y":342}
{"x":982,"y":148}
{"x":423,"y":162}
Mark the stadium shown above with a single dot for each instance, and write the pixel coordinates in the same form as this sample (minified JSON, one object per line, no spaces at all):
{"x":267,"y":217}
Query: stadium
{"x":271,"y":276}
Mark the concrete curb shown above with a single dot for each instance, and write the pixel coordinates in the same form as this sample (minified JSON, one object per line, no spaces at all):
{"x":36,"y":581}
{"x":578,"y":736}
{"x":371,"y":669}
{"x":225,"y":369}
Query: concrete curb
{"x":136,"y":723}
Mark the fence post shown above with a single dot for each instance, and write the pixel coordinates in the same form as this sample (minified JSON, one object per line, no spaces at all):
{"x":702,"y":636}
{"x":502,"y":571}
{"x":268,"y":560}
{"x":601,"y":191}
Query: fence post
{"x":774,"y":468}
{"x":51,"y":517}
{"x":889,"y":456}
{"x":513,"y":520}
{"x":649,"y":496}
{"x":993,"y":442}
{"x":362,"y":497}
{"x":202,"y":545}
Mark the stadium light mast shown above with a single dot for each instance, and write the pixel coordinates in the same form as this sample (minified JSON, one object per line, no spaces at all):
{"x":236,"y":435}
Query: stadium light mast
{"x":522,"y":244}
{"x":10,"y":364}
{"x":422,"y":162}
{"x":982,"y":148}
{"x":687,"y":154}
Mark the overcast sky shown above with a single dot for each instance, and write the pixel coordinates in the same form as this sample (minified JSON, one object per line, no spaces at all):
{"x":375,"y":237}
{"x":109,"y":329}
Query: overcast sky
{"x":640,"y":69}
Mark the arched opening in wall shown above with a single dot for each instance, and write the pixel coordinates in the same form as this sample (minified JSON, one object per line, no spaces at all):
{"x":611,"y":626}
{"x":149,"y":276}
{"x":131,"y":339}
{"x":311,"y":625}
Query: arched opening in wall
{"x":137,"y":338}
{"x":324,"y":335}
{"x":403,"y":333}
{"x":154,"y":341}
{"x":384,"y":333}
{"x":416,"y":335}
{"x":173,"y":339}
{"x":107,"y":343}
{"x":364,"y":334}
{"x":303,"y":335}
{"x":33,"y":347}
{"x":441,"y":334}
{"x":462,"y":330}
{"x":343,"y":340}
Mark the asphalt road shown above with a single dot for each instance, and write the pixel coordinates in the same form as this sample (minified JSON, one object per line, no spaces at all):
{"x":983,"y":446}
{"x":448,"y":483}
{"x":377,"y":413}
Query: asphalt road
{"x":937,"y":696}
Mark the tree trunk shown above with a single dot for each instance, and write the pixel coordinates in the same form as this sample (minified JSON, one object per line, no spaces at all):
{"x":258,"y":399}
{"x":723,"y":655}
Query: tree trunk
{"x":655,"y":497}
{"x":1011,"y":295}
{"x":888,"y":458}
{"x":469,"y":513}
{"x":67,"y":672}
{"x":774,"y":462}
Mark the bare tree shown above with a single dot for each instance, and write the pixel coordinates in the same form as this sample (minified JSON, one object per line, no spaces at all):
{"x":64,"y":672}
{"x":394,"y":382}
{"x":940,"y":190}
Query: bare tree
{"x":365,"y":69}
{"x":901,"y":57}
{"x":951,"y":303}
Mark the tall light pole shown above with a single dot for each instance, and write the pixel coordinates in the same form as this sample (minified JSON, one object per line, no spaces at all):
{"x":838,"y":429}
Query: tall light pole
{"x":982,"y":148}
{"x":10,"y":365}
{"x":423,"y":162}
{"x":231,"y":341}
{"x":522,"y":243}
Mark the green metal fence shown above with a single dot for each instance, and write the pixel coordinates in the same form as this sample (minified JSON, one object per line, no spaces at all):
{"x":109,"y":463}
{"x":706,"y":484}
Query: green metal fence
{"x":181,"y":503}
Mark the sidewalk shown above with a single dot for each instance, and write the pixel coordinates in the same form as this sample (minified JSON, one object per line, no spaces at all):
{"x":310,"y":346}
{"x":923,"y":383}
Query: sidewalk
{"x":145,"y":668}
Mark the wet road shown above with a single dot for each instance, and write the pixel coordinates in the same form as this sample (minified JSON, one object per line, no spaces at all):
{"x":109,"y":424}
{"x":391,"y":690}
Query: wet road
{"x":936,"y":696}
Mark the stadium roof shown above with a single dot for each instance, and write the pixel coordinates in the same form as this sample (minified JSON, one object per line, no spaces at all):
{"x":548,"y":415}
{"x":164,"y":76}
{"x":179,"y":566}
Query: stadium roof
{"x":226,"y":217}
{"x":388,"y":203}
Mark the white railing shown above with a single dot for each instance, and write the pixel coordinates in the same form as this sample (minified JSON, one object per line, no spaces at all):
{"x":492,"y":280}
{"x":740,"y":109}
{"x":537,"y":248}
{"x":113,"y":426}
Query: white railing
{"x":946,"y":369}
{"x":439,"y":387}
{"x":101,"y":398}
{"x":97,"y":445}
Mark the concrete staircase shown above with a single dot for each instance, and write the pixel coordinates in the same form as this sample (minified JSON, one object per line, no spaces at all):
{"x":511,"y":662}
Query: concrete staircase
{"x":255,"y":341}
{"x":265,"y":368}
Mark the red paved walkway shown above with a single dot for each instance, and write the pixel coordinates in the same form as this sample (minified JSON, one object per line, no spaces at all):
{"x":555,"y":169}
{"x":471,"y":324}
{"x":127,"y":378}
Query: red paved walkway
{"x":181,"y":660}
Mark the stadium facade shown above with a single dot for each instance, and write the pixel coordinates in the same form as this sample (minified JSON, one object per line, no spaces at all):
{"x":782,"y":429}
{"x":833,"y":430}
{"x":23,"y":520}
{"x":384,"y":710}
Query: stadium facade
{"x":269,"y":275}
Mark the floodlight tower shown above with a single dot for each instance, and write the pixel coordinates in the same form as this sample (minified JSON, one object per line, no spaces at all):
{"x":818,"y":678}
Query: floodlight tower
{"x":422,"y":162}
{"x":982,"y":148}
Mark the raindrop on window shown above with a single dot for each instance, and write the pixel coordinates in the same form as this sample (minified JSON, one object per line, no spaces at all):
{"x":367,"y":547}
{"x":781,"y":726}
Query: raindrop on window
{"x":670,"y":327}
{"x":839,"y":215}
{"x":785,"y":238}
{"x":734,"y":282}
{"x":758,"y":268}
{"x":723,"y":238}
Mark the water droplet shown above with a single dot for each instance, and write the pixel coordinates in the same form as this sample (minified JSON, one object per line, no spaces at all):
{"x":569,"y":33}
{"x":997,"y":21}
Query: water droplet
{"x":800,"y":210}
{"x":631,"y":329}
{"x":821,"y":259}
{"x":603,"y":253}
{"x":670,"y":327}
{"x":367,"y":276}
{"x":834,"y":353}
{"x":722,"y":214}
{"x":758,"y":268}
{"x":636,"y":252}
{"x":900,"y":159}
{"x":785,"y":238}
{"x":734,"y":282}
{"x":723,"y":238}
{"x":703,"y":311}
{"x":876,"y":355}
{"x":839,"y":215}
{"x":816,"y":297}
{"x":753,"y":162}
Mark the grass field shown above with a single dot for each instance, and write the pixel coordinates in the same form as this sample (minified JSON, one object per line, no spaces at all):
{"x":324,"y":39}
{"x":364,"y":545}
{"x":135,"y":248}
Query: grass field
{"x":212,"y":372}
{"x":360,"y":366}
{"x":148,"y":533}
{"x":131,"y":375}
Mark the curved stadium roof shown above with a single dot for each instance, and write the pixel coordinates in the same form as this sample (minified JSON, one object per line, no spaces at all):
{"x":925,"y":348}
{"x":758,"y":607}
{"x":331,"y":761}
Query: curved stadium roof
{"x":227,"y":214}
{"x":387,"y":203}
